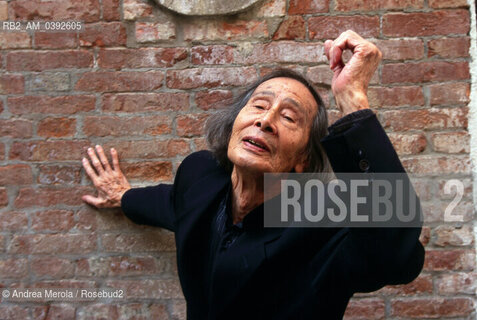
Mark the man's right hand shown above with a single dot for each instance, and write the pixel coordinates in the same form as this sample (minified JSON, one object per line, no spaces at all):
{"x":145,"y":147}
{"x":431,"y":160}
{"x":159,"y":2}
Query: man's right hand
{"x":110,"y":182}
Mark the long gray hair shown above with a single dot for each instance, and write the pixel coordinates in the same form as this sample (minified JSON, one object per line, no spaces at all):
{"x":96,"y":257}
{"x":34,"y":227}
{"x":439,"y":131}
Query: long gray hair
{"x":219,"y":125}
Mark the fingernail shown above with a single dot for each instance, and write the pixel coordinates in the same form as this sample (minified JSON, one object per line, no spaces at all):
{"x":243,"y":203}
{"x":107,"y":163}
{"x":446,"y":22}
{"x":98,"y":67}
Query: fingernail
{"x":90,"y":149}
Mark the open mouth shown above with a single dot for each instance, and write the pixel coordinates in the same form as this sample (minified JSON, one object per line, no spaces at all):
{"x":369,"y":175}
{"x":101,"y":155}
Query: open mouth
{"x":256,"y":144}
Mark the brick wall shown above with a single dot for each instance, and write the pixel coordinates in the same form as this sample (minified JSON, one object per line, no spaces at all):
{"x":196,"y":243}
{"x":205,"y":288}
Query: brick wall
{"x":143,"y":80}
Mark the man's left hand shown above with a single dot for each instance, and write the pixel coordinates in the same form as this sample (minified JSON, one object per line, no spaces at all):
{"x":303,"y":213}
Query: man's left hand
{"x":350,"y":80}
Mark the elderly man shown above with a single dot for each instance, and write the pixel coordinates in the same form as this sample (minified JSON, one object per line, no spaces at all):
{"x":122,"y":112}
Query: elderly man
{"x":230,"y":265}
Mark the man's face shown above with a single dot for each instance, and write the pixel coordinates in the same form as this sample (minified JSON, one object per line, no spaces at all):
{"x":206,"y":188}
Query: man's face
{"x":271,"y":132}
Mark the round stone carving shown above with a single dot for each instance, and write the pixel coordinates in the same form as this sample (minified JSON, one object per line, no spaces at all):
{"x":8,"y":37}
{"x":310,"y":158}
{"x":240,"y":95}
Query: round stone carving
{"x":206,"y":7}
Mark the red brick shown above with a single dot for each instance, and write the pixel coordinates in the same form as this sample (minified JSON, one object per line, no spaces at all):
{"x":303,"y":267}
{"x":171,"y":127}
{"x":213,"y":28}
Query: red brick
{"x":179,"y":310}
{"x":191,"y":125}
{"x":468,"y":186}
{"x":320,"y":75}
{"x":445,"y":235}
{"x":51,"y":104}
{"x":54,"y":311}
{"x":431,"y":164}
{"x":101,"y":311}
{"x":59,"y":174}
{"x":16,"y":128}
{"x":119,"y":126}
{"x":372,"y":5}
{"x":146,"y":102}
{"x":449,"y":93}
{"x":53,"y":244}
{"x":14,"y":312}
{"x":154,"y":31}
{"x":426,"y":23}
{"x":148,"y":289}
{"x":117,"y":266}
{"x":200,"y":144}
{"x":52,"y":220}
{"x":213,"y":99}
{"x":270,"y":9}
{"x":150,"y":149}
{"x":148,"y":171}
{"x":431,"y":307}
{"x":424,"y":119}
{"x":287,"y":52}
{"x":15,"y":174}
{"x":210,"y":77}
{"x":13,"y":268}
{"x":443,"y":260}
{"x":449,"y":47}
{"x":448,"y":4}
{"x":47,"y":196}
{"x":456,"y":283}
{"x":216,"y":54}
{"x":293,"y":27}
{"x":150,"y":240}
{"x":49,"y":150}
{"x":57,"y":127}
{"x":89,"y":219}
{"x":436,"y":211}
{"x":15,"y":40}
{"x":2,"y":151}
{"x":398,"y":49}
{"x":68,"y":283}
{"x":133,"y":9}
{"x":425,"y":235}
{"x":55,"y":40}
{"x":111,"y":10}
{"x":39,"y":61}
{"x":141,"y":57}
{"x":13,"y":220}
{"x":365,"y":309}
{"x":52,"y":267}
{"x":420,"y":285}
{"x":86,"y":11}
{"x":308,"y":6}
{"x":425,"y":71}
{"x":104,"y":81}
{"x":330,"y":27}
{"x":209,"y":30}
{"x":3,"y":197}
{"x":451,"y":142}
{"x":395,"y":96}
{"x":408,"y":143}
{"x":103,"y":34}
{"x":12,"y":83}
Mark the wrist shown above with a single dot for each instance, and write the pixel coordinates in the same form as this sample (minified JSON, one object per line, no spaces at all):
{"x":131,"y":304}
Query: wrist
{"x":351,"y":101}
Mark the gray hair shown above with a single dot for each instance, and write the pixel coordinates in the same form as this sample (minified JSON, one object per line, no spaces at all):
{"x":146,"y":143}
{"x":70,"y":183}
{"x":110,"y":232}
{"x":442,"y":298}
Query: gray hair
{"x":219,"y":125}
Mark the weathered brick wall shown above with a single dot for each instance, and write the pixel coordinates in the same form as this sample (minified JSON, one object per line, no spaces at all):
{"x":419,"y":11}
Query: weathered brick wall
{"x":143,"y":80}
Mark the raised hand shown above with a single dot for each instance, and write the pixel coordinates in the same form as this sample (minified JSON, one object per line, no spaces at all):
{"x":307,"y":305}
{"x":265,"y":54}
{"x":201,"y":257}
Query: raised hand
{"x":110,"y":182}
{"x":350,"y":80}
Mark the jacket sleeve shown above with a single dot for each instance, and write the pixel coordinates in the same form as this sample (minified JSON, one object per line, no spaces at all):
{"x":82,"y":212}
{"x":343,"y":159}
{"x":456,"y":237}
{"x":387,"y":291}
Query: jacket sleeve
{"x":154,"y":206}
{"x":370,"y":258}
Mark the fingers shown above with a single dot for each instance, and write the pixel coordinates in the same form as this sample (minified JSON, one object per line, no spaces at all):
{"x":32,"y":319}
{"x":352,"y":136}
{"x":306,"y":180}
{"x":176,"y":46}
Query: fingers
{"x":347,"y":40}
{"x":89,"y":170}
{"x":102,"y":157}
{"x":94,"y":160}
{"x":114,"y":156}
{"x":97,"y":202}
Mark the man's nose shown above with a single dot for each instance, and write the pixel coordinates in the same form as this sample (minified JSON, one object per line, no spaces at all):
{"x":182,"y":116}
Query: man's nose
{"x":266,"y":122}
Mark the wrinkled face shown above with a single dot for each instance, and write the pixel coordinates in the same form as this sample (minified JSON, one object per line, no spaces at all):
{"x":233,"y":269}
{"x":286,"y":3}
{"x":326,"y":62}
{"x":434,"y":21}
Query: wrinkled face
{"x":271,"y":132}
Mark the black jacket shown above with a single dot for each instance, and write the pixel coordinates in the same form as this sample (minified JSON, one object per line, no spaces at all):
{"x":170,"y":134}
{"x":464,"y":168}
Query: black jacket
{"x":280,"y":273}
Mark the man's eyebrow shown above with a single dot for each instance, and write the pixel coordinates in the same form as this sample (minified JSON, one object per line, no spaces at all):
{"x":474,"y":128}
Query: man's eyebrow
{"x":291,"y":101}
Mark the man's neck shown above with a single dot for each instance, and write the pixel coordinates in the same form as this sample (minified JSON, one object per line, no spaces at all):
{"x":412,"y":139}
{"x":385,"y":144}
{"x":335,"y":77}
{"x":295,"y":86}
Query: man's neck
{"x":247,"y":192}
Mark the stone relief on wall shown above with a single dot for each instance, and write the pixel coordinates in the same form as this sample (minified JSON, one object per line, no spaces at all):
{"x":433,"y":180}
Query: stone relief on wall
{"x":206,"y":7}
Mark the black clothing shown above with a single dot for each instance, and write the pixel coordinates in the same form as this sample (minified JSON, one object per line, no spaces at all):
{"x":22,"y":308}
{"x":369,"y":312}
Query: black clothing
{"x":251,"y":272}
